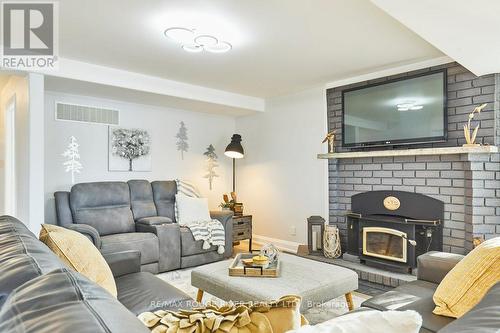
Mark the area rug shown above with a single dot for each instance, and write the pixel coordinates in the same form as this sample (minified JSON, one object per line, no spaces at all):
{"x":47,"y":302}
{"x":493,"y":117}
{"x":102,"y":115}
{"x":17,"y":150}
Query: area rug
{"x":181,"y":279}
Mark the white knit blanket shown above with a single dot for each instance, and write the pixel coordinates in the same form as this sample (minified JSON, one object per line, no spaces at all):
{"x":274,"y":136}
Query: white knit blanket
{"x":210,"y":232}
{"x":370,"y":321}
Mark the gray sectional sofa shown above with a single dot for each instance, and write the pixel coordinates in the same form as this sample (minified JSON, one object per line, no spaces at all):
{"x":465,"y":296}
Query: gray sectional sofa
{"x":417,"y":295}
{"x":137,"y":215}
{"x":39,"y":293}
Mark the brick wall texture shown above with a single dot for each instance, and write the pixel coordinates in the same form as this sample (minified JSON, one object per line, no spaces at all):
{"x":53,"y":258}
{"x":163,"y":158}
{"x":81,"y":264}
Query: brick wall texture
{"x":468,"y":184}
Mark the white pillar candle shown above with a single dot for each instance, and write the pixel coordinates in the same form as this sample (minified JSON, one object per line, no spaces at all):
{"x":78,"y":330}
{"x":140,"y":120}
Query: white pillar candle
{"x":314,"y":241}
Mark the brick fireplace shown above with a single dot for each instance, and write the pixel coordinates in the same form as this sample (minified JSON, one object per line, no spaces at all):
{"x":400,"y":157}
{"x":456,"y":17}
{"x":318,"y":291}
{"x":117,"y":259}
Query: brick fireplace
{"x":467,"y":183}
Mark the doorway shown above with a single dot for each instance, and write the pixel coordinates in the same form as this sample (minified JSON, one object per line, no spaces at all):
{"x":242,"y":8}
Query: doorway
{"x":10,"y":203}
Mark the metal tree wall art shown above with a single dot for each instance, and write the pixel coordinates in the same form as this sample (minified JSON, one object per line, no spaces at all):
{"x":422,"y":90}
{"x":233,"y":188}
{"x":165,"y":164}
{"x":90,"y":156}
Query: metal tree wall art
{"x":470,"y":138}
{"x":72,"y":164}
{"x":182,"y":143}
{"x":130,"y":145}
{"x":211,"y":165}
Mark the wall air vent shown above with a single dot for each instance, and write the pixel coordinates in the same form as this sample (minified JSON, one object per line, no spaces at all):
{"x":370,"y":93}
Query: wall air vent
{"x":87,"y":114}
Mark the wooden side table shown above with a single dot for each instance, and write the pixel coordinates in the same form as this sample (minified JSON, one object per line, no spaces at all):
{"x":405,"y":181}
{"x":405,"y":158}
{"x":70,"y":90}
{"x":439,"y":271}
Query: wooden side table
{"x":242,"y":229}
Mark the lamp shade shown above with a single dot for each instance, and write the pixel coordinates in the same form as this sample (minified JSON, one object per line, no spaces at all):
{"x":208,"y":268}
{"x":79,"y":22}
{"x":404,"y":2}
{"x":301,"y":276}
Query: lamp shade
{"x":235,"y":149}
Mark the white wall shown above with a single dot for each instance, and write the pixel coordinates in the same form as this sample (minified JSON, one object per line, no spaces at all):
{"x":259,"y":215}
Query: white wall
{"x":280,"y":180}
{"x":162,"y":123}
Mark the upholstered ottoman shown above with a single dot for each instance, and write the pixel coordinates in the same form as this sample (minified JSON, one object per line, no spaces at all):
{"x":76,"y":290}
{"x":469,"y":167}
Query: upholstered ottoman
{"x":314,"y":281}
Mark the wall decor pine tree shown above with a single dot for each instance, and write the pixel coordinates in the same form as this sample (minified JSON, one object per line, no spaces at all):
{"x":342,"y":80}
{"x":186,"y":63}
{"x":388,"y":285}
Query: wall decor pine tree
{"x":72,"y":164}
{"x":211,"y":165}
{"x":182,"y":142}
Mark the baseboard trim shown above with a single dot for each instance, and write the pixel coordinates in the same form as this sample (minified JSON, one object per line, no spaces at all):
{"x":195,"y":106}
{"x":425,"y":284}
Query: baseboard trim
{"x":283,"y":245}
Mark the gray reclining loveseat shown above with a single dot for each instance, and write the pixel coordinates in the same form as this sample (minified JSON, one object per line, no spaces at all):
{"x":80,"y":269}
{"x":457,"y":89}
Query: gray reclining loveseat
{"x":137,"y":215}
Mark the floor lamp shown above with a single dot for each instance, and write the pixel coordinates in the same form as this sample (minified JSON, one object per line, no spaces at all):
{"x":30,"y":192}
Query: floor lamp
{"x":234,"y":150}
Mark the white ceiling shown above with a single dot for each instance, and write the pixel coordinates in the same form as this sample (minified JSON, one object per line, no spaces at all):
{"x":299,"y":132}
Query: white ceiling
{"x":467,"y":31}
{"x":278,"y":46}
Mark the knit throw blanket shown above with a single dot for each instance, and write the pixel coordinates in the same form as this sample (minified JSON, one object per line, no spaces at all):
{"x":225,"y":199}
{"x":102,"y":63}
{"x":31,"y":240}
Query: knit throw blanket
{"x":210,"y":232}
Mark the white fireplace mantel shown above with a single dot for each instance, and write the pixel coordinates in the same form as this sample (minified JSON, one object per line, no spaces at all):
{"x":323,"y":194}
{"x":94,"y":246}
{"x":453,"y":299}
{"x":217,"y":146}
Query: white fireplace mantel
{"x":413,"y":152}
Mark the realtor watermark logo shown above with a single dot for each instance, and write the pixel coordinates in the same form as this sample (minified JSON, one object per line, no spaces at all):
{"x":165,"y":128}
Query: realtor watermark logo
{"x":29,"y":35}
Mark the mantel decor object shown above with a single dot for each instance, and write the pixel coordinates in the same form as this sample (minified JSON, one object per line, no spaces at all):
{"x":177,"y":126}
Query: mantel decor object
{"x":315,"y":231}
{"x":330,"y":137}
{"x":470,"y":137}
{"x":331,"y":245}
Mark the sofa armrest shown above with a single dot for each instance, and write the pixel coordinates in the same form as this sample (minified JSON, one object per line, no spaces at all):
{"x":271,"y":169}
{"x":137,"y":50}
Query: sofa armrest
{"x":123,"y":263}
{"x":154,"y":220}
{"x":223,"y":216}
{"x":226,"y":218}
{"x":433,"y":266}
{"x":88,"y":231}
{"x":169,"y":238}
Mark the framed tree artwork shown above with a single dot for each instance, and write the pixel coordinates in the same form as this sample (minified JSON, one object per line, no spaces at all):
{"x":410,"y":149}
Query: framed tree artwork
{"x":129,"y":149}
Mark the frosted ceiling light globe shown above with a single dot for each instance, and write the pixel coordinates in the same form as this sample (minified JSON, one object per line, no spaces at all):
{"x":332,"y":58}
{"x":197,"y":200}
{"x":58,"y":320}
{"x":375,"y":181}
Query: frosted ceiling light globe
{"x":220,"y":47}
{"x":192,"y":48}
{"x":206,"y":40}
{"x":180,"y":35}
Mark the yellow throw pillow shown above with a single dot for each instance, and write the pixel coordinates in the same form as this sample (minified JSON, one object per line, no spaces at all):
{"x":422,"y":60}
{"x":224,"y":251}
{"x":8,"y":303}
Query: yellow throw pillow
{"x":466,"y":284}
{"x":76,"y":250}
{"x":267,"y":317}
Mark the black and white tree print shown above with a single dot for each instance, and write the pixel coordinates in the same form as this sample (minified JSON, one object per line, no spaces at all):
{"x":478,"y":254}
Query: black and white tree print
{"x":182,"y":139}
{"x":211,"y":165}
{"x":130,"y":144}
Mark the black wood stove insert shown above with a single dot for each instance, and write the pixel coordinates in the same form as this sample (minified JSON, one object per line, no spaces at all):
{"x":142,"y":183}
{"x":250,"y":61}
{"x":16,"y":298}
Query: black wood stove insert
{"x":390,"y":229}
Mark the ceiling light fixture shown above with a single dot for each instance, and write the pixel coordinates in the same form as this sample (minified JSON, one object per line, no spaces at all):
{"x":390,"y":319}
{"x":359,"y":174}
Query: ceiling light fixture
{"x":192,"y":48}
{"x":220,"y":47}
{"x":180,"y":35}
{"x":206,"y":40}
{"x":194,"y":43}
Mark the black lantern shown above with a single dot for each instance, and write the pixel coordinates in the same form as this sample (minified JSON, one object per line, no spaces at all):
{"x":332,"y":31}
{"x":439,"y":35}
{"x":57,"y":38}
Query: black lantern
{"x":315,"y":231}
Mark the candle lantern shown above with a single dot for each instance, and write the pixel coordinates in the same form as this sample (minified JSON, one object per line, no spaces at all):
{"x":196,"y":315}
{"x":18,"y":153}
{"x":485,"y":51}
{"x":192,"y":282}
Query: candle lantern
{"x":315,"y":230}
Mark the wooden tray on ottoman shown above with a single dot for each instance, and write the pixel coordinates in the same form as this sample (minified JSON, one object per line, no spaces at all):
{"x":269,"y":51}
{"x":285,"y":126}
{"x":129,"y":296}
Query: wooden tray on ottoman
{"x":237,"y":268}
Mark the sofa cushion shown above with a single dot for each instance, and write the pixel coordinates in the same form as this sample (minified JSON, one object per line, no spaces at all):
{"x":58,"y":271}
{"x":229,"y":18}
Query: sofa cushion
{"x":104,"y":206}
{"x":467,"y":283}
{"x":144,"y":242}
{"x":431,"y":322}
{"x":189,"y":246}
{"x":143,"y":291}
{"x":141,"y":198}
{"x":76,"y":251}
{"x":154,"y":220}
{"x":64,"y":301}
{"x":401,"y":296}
{"x":483,"y":318}
{"x":22,"y":256}
{"x":164,"y":197}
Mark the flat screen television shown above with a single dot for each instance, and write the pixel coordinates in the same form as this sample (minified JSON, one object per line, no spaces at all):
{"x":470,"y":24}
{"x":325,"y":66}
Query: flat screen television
{"x":409,"y":110}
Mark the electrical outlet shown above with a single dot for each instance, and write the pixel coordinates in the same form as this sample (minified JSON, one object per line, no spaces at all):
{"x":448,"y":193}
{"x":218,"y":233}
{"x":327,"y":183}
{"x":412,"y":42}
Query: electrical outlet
{"x":293,"y":231}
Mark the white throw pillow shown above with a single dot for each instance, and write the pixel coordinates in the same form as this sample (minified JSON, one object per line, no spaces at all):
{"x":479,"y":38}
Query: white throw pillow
{"x":370,"y":321}
{"x":191,"y":210}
